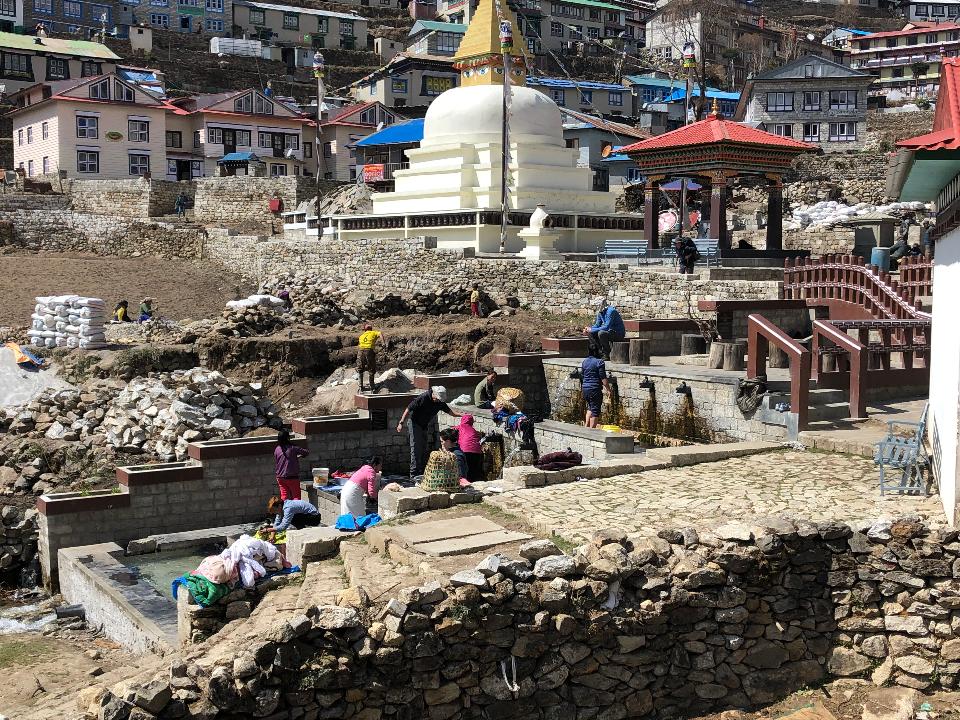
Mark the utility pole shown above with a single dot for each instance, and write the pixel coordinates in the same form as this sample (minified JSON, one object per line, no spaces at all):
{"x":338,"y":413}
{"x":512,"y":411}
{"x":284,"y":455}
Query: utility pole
{"x":318,"y":68}
{"x":689,"y":62}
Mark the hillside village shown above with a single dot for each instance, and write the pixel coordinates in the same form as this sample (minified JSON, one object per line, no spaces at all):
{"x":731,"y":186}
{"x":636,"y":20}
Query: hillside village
{"x":479,"y":359}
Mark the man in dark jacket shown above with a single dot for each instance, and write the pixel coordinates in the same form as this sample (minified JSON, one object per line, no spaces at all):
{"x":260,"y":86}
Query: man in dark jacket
{"x":418,"y":415}
{"x":607,"y":328}
{"x":687,"y":254}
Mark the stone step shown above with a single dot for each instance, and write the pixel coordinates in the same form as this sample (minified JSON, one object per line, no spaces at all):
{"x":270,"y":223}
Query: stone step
{"x":322,"y":583}
{"x":830,"y":411}
{"x":377,"y":574}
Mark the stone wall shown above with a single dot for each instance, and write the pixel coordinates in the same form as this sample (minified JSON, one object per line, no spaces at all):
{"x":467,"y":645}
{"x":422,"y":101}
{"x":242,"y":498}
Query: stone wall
{"x":243,"y":200}
{"x":688,"y":623}
{"x":101,"y":234}
{"x":406,"y":266}
{"x":855,"y":177}
{"x":886,"y":129}
{"x":135,"y":198}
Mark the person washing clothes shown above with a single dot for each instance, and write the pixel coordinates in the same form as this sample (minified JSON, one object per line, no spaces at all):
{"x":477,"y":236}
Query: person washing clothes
{"x":468,"y":437}
{"x":593,"y":379}
{"x":296,"y":514}
{"x":287,"y":461}
{"x":486,"y":390}
{"x":608,"y":327}
{"x":364,"y":483}
{"x":146,"y":310}
{"x":450,"y":442}
{"x":417,"y":416}
{"x":367,"y":355}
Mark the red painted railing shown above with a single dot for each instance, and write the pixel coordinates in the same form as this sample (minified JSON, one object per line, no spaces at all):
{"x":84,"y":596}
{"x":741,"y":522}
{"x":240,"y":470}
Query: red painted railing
{"x":760,"y":333}
{"x":827,"y":336}
{"x":835,"y":279}
{"x":916,"y":275}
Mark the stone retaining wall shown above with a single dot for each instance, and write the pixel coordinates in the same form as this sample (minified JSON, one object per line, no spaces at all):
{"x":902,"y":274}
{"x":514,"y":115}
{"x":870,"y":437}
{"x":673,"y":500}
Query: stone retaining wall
{"x":857,"y":176}
{"x":135,"y":198}
{"x":689,"y":623}
{"x":406,"y":266}
{"x":245,"y":199}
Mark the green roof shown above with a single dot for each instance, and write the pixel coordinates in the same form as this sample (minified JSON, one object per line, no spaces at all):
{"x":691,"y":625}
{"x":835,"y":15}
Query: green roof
{"x":593,"y":3}
{"x":79,"y":48}
{"x":437,"y":26}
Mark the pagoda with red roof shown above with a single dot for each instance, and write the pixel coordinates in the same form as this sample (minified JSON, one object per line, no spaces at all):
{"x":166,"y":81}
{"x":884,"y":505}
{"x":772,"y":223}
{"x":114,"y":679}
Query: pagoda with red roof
{"x":715,"y":151}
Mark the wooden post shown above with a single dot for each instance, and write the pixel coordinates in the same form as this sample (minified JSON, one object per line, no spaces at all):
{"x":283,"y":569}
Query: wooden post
{"x":651,"y":213}
{"x":692,"y":344}
{"x":639,"y":351}
{"x":715,"y":358}
{"x":718,"y":211}
{"x":733,"y":356}
{"x":620,"y":352}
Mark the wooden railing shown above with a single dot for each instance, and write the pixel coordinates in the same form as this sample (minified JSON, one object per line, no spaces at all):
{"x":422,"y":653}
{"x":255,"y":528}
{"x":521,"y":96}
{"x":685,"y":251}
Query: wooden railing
{"x":827,"y":336}
{"x":760,"y":333}
{"x":847,"y":279}
{"x":916,"y":276}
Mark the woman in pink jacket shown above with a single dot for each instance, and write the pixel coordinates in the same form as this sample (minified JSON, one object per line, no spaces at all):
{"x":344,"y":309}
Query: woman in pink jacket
{"x":364,"y":483}
{"x":469,"y":438}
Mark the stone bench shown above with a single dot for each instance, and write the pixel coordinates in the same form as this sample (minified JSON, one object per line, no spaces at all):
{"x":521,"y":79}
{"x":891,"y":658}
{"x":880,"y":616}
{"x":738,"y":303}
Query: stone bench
{"x":391,"y":503}
{"x":314,"y":544}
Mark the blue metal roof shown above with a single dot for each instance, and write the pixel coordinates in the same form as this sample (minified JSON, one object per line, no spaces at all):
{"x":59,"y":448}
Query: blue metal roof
{"x":653,"y":81}
{"x":407,"y":132}
{"x":854,"y":31}
{"x":238,"y":157}
{"x":616,"y":158}
{"x":582,"y":84}
{"x":434,"y":25}
{"x":711,"y":94}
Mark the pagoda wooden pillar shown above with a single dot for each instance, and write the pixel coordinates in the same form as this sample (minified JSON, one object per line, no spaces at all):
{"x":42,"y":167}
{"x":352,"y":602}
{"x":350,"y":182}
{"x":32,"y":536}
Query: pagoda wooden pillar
{"x":774,"y":213}
{"x":651,"y":212}
{"x":718,"y":210}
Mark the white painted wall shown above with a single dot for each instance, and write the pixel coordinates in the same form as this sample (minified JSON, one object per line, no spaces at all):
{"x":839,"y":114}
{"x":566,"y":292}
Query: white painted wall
{"x":945,"y":371}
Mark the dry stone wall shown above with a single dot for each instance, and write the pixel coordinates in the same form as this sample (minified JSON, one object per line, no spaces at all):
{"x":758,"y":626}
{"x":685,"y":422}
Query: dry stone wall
{"x":405,"y":266}
{"x":136,"y":198}
{"x":687,"y":623}
{"x":855,"y":177}
{"x":241,"y":200}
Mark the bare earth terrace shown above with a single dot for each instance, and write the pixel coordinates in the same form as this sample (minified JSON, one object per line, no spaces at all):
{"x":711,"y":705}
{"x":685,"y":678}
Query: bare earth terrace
{"x":804,"y":485}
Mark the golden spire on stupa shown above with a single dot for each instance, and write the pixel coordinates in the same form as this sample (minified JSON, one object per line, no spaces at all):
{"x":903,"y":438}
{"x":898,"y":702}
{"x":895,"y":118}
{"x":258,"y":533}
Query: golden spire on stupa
{"x":480,"y":55}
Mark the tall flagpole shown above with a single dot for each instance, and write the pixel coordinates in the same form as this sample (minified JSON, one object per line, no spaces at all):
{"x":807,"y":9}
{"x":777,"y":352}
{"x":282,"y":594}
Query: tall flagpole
{"x":506,"y":47}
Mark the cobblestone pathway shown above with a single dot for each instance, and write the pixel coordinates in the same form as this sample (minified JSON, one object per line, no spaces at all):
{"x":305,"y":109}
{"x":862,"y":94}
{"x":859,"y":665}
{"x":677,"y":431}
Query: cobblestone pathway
{"x":815,"y":486}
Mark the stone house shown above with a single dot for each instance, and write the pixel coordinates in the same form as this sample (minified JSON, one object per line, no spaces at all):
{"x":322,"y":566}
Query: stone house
{"x":435,"y":38}
{"x":243,"y":132}
{"x":596,"y":139}
{"x":811,"y":99}
{"x":101,"y":127}
{"x":339,"y":133}
{"x":607,"y":99}
{"x":291,"y":26}
{"x":26,"y":60}
{"x":408,"y":81}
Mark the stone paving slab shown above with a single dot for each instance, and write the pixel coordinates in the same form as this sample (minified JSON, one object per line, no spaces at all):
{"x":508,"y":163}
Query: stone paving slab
{"x":816,"y":486}
{"x":469,"y":544}
{"x":424,"y":532}
{"x":691,"y":454}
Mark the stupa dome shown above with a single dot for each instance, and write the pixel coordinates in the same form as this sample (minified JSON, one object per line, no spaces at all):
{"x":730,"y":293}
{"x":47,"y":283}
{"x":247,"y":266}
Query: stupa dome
{"x":474,"y":114}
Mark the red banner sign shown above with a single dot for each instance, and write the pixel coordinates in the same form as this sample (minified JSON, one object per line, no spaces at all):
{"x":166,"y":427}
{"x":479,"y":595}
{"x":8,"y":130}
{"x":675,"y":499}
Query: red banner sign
{"x":373,"y":173}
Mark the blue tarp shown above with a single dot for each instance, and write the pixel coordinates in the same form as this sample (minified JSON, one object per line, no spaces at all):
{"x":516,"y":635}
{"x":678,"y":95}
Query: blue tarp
{"x":407,"y":132}
{"x":680,"y":94}
{"x":564,"y":83}
{"x":238,"y":157}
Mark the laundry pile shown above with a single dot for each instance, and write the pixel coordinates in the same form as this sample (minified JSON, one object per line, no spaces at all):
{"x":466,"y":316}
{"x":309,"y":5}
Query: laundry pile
{"x":69,"y":321}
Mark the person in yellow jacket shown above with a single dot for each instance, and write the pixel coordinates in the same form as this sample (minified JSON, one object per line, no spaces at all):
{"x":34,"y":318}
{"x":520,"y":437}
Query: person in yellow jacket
{"x":367,"y":355}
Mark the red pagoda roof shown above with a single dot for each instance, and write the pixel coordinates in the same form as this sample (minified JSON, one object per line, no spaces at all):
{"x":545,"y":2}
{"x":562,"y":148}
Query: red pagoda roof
{"x":715,"y":130}
{"x":946,"y":119}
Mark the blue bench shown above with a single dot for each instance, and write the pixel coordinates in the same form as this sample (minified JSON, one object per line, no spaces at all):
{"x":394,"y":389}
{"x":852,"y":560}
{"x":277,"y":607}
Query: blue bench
{"x":709,"y":249}
{"x":905,"y":454}
{"x":623,"y":248}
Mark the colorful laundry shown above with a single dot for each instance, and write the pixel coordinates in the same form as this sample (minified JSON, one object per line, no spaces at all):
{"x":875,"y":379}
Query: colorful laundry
{"x":206,"y":593}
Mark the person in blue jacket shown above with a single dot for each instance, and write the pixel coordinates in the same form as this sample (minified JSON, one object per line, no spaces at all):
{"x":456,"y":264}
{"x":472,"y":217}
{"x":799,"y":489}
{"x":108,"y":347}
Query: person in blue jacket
{"x":608,"y":327}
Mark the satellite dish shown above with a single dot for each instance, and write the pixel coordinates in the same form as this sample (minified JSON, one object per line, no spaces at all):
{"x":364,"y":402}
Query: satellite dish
{"x":289,"y":153}
{"x":607,"y":150}
{"x":379,"y":126}
{"x":811,"y":37}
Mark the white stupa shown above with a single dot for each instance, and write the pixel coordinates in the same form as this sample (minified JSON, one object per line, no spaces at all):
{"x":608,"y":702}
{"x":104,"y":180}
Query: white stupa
{"x":452,"y":188}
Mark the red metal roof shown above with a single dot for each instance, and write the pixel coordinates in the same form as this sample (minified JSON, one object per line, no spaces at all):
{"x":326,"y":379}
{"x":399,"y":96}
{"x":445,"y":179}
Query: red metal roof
{"x":946,"y":119}
{"x":715,"y":130}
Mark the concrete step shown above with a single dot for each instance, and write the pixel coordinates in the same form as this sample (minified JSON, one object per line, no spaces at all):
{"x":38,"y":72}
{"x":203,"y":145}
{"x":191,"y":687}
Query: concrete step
{"x":826,"y":396}
{"x":830,"y":411}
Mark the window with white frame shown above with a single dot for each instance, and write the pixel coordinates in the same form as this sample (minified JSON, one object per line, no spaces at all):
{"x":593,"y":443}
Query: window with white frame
{"x":174,"y":139}
{"x":323,"y":25}
{"x":811,"y":100}
{"x":556,"y":29}
{"x":843,"y":99}
{"x":214,"y":5}
{"x":779,"y":101}
{"x":30,"y":135}
{"x":172,"y":167}
{"x":44,"y":130}
{"x":46,"y":165}
{"x":72,"y":9}
{"x":243,"y":104}
{"x":783,"y":129}
{"x":17,"y":64}
{"x":20,"y":136}
{"x":87,"y":126}
{"x":308,"y":150}
{"x":243,"y":138}
{"x":921,"y":10}
{"x":264,"y":106}
{"x":196,"y":138}
{"x":257,"y":17}
{"x":158,"y":20}
{"x":30,"y":168}
{"x":278,"y":170}
{"x":291,"y":21}
{"x":213,"y":25}
{"x":89,"y":68}
{"x":615,"y":98}
{"x":43,"y":6}
{"x":586,"y":97}
{"x":633,"y":175}
{"x":100,"y":90}
{"x":215,"y":135}
{"x":88,"y":161}
{"x":346,"y":28}
{"x":139,"y":164}
{"x":265,"y":139}
{"x":811,"y":132}
{"x":196,"y":168}
{"x":138,"y":131}
{"x":559,"y":96}
{"x":291,"y":142}
{"x":843,"y":132}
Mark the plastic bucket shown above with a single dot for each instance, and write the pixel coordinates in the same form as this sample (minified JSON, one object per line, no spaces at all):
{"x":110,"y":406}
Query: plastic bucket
{"x":321,"y":476}
{"x":880,"y":256}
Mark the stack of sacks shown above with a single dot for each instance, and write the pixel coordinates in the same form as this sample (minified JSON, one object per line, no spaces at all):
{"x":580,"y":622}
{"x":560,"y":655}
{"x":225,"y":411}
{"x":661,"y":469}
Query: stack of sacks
{"x":68,"y":321}
{"x":254,"y":300}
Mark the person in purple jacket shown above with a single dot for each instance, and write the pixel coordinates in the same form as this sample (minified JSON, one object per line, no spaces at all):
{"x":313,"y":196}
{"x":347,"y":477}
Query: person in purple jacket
{"x":287,"y":459}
